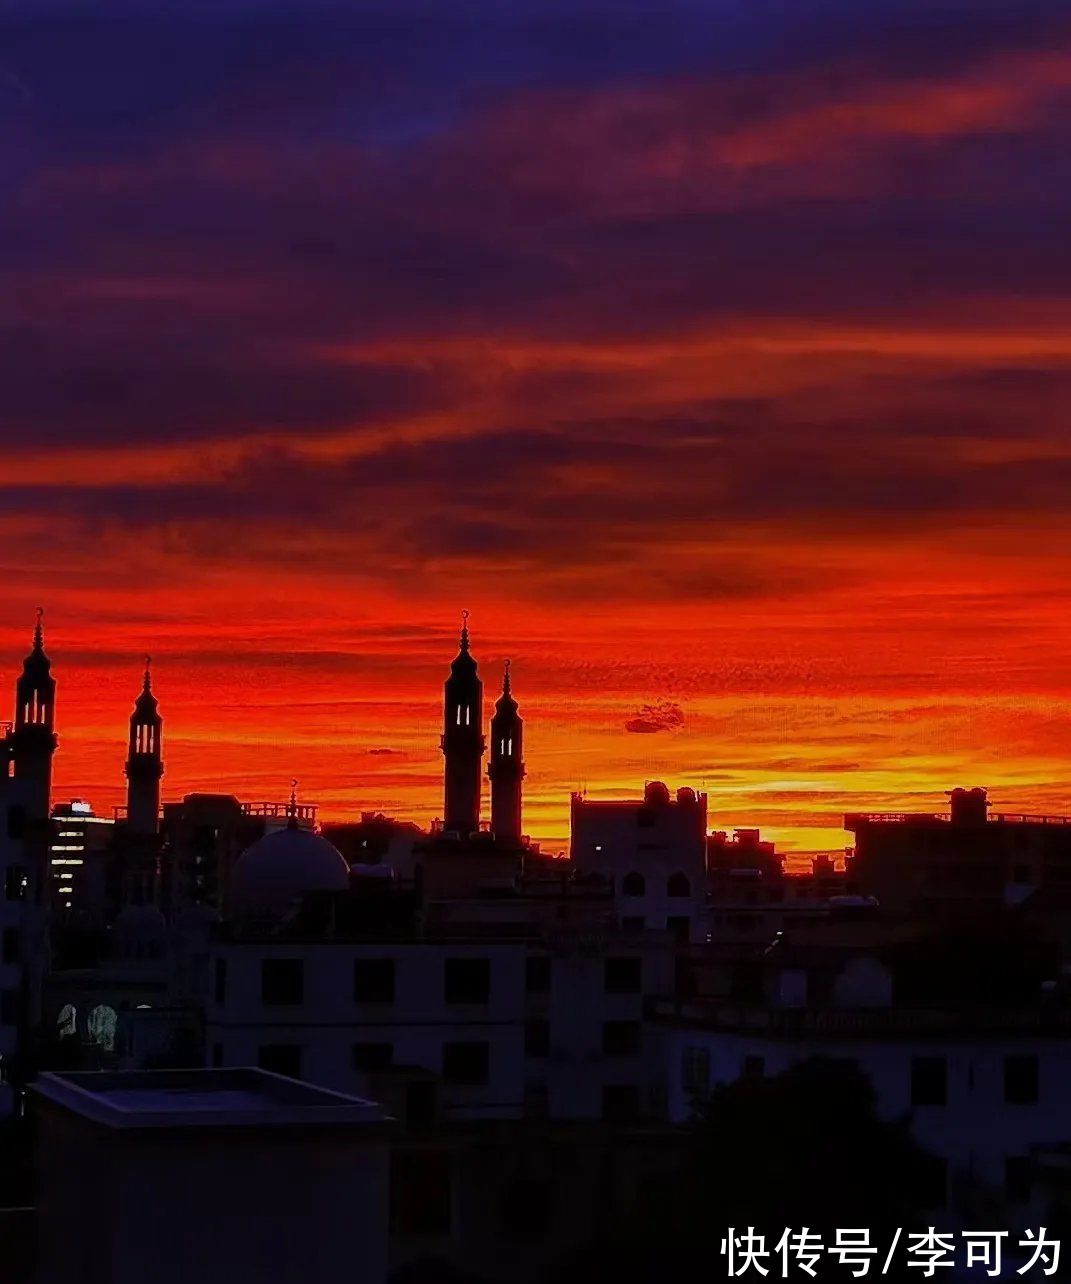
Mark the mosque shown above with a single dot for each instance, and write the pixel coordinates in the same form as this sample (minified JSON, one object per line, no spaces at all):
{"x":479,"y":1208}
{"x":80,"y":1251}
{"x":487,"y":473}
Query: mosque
{"x":150,"y":862}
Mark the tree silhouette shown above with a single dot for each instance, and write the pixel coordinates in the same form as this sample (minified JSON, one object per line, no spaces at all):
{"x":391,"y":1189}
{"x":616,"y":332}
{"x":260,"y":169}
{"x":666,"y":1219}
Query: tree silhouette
{"x":801,"y":1149}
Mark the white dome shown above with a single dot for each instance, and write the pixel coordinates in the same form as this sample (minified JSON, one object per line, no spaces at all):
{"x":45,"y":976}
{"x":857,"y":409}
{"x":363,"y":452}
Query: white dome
{"x":276,"y":870}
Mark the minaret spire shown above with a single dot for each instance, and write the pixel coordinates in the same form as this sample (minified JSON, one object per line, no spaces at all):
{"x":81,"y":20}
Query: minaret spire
{"x":34,"y":739}
{"x":506,"y":768}
{"x":462,"y":740}
{"x":291,"y":807}
{"x":144,"y":759}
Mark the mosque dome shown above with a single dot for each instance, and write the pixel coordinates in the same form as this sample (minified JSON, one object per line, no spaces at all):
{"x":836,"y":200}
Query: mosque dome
{"x":276,"y":870}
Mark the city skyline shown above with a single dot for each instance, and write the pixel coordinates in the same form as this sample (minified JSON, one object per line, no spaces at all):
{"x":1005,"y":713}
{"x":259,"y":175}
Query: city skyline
{"x":339,"y":798}
{"x":713,"y":355}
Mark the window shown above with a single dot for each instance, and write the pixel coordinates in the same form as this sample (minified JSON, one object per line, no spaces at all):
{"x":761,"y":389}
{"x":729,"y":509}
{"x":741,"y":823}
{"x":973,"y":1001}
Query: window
{"x":467,"y":980}
{"x":420,"y":1193}
{"x":680,"y":927}
{"x":217,"y":1054}
{"x":695,"y":1069}
{"x":537,"y":974}
{"x":633,"y":923}
{"x":1018,"y":1178}
{"x":372,"y":1058}
{"x":373,"y":981}
{"x":466,"y":1062}
{"x":420,"y":1103}
{"x":220,"y":987}
{"x":280,"y":1058}
{"x":929,"y":1081}
{"x":1021,"y":1080}
{"x":678,"y":885}
{"x":620,"y":1102}
{"x":526,"y":1206}
{"x":9,"y":1007}
{"x":537,"y":1039}
{"x":282,"y":981}
{"x":620,"y":1038}
{"x":15,"y":881}
{"x":633,"y":884}
{"x":16,"y":821}
{"x":12,"y":945}
{"x":623,"y":976}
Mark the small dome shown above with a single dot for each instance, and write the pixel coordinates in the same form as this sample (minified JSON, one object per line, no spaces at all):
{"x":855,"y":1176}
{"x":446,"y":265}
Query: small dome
{"x":278,"y":869}
{"x":655,"y":793}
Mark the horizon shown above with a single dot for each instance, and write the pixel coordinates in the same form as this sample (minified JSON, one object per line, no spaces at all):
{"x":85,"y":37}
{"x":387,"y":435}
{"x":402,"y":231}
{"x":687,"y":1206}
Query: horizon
{"x":207,"y":751}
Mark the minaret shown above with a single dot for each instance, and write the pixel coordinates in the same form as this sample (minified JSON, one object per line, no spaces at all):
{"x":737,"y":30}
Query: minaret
{"x":506,"y":768}
{"x":144,"y":761}
{"x":462,"y":740}
{"x":33,"y":738}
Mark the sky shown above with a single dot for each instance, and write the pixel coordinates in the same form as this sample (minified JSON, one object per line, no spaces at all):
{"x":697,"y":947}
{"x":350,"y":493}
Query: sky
{"x":715,"y":356}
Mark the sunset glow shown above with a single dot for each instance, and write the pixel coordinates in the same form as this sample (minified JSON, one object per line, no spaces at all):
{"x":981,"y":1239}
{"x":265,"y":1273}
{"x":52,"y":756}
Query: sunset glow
{"x":731,"y":398}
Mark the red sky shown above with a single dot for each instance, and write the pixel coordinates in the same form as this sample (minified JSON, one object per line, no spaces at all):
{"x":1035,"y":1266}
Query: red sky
{"x":719,"y":366}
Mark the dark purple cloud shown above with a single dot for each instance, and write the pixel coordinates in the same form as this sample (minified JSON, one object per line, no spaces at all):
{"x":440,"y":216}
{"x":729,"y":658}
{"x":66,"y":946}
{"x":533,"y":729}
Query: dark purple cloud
{"x":649,"y":719}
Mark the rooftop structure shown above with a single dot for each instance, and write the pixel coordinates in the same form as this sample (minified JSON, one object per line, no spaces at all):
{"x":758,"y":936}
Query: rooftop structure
{"x":280,"y":1180}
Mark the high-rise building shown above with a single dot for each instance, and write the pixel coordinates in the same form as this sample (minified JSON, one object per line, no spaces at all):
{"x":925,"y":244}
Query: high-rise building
{"x":77,"y":861}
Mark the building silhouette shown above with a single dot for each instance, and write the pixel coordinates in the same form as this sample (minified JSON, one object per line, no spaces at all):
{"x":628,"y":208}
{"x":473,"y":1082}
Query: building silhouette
{"x":33,"y":735}
{"x":463,"y":742}
{"x":532,"y":1024}
{"x":144,"y":761}
{"x":506,"y":768}
{"x":967,"y":860}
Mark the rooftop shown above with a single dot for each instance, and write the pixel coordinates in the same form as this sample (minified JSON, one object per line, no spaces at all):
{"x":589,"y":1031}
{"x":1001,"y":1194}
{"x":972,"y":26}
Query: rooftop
{"x":852,"y":819}
{"x":200,"y":1098}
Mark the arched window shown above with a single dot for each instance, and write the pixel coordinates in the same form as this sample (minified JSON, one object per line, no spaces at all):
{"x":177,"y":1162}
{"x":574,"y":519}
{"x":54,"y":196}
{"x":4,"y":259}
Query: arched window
{"x":633,"y":884}
{"x":67,"y":1023}
{"x":102,"y":1023}
{"x":678,"y":885}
